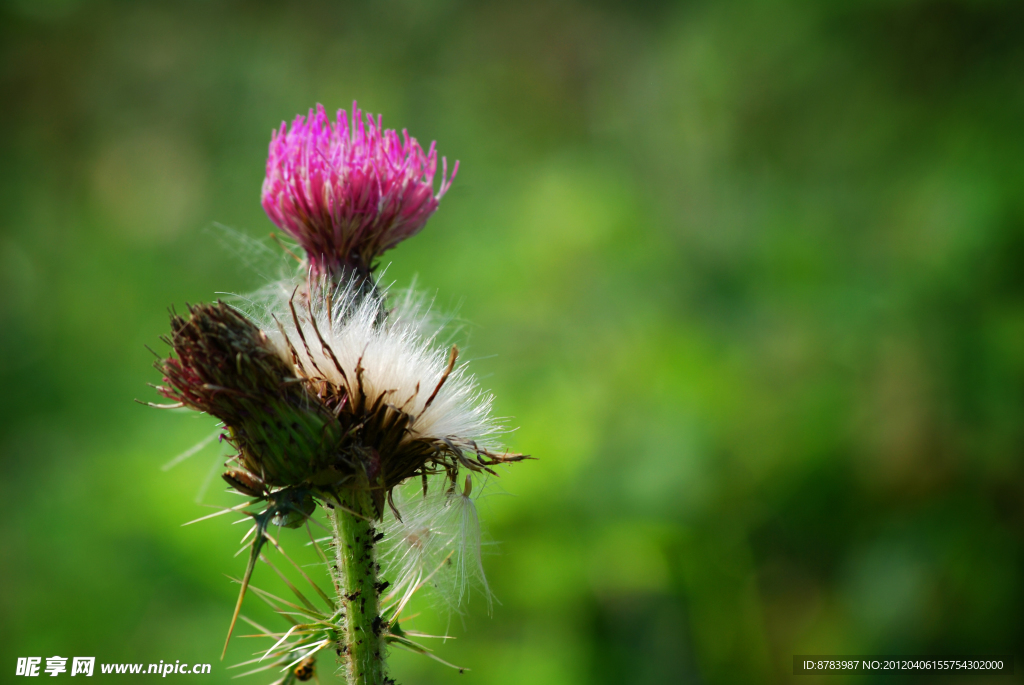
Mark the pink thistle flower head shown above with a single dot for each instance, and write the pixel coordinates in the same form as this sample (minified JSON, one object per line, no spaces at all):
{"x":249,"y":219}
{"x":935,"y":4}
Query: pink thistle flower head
{"x":347,"y":190}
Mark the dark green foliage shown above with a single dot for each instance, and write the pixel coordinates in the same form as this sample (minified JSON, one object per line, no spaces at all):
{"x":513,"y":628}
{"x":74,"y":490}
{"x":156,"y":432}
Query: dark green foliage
{"x":751,"y":273}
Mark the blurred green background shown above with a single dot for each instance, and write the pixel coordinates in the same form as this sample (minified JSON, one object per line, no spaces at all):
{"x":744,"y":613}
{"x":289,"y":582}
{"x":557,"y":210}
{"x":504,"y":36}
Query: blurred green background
{"x":748,"y":276}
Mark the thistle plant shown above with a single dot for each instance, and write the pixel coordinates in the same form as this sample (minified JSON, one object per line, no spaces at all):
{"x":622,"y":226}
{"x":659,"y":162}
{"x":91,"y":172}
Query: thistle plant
{"x":334,"y":394}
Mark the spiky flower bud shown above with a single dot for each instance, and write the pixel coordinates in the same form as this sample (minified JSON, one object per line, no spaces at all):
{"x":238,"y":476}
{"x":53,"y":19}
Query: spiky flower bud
{"x":347,"y":191}
{"x":227,"y":367}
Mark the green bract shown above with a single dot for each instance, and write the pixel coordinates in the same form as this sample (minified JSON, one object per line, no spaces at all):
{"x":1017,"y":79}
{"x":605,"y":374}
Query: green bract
{"x":227,"y":367}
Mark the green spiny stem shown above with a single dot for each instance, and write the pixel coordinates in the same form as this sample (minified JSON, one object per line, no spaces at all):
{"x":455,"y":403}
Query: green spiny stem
{"x":361,"y":642}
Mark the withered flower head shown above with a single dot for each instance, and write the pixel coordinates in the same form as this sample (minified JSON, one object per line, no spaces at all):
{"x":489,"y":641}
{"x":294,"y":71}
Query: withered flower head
{"x":227,"y":367}
{"x":404,"y":406}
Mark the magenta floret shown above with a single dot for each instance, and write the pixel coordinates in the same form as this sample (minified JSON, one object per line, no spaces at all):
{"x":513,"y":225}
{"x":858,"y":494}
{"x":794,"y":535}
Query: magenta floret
{"x":348,"y":190}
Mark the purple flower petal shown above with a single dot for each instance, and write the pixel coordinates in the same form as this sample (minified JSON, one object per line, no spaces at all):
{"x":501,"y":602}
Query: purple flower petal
{"x":349,"y":190}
